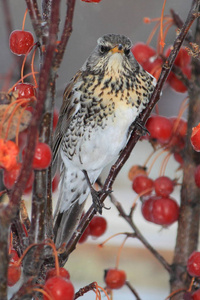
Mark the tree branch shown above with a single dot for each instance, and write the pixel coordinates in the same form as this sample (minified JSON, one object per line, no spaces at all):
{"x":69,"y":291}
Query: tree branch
{"x":67,"y":30}
{"x":35,"y":17}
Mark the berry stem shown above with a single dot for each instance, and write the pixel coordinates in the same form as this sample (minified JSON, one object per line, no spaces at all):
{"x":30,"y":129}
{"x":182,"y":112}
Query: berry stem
{"x":19,"y":122}
{"x":153,"y":32}
{"x":112,"y":236}
{"x":32,"y":68}
{"x":12,"y":115}
{"x":154,"y":160}
{"x":43,"y":293}
{"x":164,"y":164}
{"x":162,"y":43}
{"x":52,"y":245}
{"x":99,"y":287}
{"x":175,"y":293}
{"x":24,"y":19}
{"x":23,"y":63}
{"x":119,"y":252}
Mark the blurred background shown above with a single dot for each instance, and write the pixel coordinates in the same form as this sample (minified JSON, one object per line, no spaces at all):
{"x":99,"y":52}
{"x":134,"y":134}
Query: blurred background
{"x":87,"y":263}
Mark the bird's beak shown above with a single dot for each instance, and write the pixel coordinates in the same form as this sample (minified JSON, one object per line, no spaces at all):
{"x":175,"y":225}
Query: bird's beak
{"x":117,"y":49}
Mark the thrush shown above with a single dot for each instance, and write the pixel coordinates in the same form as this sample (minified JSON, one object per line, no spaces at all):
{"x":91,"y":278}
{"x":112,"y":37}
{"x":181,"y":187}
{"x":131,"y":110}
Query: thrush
{"x":101,"y":104}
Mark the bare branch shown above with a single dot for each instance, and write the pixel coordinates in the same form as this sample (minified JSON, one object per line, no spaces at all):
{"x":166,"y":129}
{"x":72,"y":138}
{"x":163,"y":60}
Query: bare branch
{"x":35,"y":16}
{"x":65,"y":34}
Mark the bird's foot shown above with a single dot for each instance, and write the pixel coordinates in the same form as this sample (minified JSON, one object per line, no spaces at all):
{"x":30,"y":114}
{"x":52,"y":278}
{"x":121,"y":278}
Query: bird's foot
{"x":96,"y":199}
{"x":141,"y":128}
{"x":96,"y":195}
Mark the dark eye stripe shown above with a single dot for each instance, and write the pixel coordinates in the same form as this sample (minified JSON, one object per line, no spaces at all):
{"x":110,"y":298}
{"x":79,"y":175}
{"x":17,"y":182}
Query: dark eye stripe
{"x":103,"y":49}
{"x":127,"y":51}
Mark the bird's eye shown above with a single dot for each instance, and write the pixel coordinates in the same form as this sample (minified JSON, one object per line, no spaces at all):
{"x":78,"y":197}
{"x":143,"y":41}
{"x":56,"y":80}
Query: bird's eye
{"x":103,"y":49}
{"x":126,"y":51}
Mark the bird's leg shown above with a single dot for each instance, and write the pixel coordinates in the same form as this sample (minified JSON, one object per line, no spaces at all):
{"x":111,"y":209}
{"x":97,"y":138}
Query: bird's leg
{"x":95,"y":194}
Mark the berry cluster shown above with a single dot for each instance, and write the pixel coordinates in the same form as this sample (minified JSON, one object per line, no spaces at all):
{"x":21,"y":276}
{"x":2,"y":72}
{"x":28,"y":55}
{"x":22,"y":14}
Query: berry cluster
{"x":168,"y":133}
{"x":96,"y":228}
{"x":157,"y":204}
{"x":159,"y":207}
{"x":152,"y":62}
{"x":41,"y":160}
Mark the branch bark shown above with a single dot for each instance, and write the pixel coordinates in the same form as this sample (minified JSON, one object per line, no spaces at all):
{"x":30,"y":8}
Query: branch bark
{"x":188,"y":225}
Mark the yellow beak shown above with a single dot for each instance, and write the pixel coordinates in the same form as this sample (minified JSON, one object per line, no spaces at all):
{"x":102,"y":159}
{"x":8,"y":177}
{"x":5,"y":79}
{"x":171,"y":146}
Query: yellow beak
{"x":117,"y":49}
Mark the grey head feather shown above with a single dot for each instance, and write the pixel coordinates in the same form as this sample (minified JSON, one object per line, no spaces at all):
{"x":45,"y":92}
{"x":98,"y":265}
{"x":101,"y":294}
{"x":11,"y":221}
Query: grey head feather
{"x":97,"y":61}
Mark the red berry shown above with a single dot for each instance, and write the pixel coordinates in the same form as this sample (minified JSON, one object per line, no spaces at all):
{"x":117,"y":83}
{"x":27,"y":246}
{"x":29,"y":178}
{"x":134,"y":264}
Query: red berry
{"x":55,"y":118}
{"x":85,"y":235}
{"x":13,"y":256}
{"x":135,"y":171}
{"x":97,"y":226}
{"x":154,"y":66}
{"x":178,"y":158}
{"x":163,"y":186}
{"x":165,"y":211}
{"x":14,"y":273}
{"x":55,"y":182}
{"x":142,"y":52}
{"x":10,"y":177}
{"x":177,"y":84}
{"x":25,"y":90}
{"x":115,"y":278}
{"x":142,"y":185}
{"x":197,"y":176}
{"x":196,"y":295}
{"x":20,"y":41}
{"x":177,"y":140}
{"x":193,"y":264}
{"x":160,"y":128}
{"x":179,"y":126}
{"x":59,"y":288}
{"x":195,"y":138}
{"x":147,"y":208}
{"x":183,"y":58}
{"x":42,"y":157}
{"x":53,"y":272}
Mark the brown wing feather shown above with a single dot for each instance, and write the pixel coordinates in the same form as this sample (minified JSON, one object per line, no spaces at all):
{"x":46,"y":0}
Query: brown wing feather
{"x":66,"y":112}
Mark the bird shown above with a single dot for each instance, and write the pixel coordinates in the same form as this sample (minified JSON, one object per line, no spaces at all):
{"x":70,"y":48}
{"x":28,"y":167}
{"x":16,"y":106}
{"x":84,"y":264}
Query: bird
{"x":101,"y":105}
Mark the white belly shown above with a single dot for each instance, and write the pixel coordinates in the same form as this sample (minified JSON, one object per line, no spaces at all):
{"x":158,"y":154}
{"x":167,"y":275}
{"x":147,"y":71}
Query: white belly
{"x":99,"y":146}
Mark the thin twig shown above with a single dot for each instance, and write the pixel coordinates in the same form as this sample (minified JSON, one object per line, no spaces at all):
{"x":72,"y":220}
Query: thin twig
{"x":138,"y":234}
{"x":133,"y":290}
{"x":35,"y":17}
{"x":67,"y":30}
{"x":179,"y":23}
{"x":85,"y":289}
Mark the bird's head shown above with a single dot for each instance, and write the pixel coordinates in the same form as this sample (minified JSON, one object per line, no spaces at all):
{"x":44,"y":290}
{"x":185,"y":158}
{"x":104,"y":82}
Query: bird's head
{"x":112,"y":54}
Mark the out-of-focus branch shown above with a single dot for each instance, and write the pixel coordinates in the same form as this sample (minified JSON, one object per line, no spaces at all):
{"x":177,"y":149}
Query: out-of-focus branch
{"x":65,"y":34}
{"x":35,"y":16}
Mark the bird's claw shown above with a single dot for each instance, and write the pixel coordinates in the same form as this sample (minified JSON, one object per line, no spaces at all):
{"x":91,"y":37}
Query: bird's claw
{"x":96,"y":195}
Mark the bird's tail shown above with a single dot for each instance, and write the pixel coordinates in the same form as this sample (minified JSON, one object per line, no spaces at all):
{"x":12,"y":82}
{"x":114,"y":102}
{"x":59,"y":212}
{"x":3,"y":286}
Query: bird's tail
{"x":73,"y":191}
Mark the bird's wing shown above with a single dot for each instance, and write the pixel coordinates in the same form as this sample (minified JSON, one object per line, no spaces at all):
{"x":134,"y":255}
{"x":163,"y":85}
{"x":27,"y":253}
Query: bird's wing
{"x":68,"y":109}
